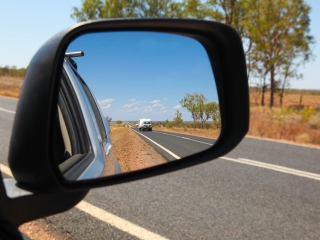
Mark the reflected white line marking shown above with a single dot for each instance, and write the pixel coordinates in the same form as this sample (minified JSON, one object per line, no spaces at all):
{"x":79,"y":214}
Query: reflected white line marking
{"x":168,"y":151}
{"x":273,"y":167}
{"x":184,"y":138}
{"x":107,"y":217}
{"x":6,"y":110}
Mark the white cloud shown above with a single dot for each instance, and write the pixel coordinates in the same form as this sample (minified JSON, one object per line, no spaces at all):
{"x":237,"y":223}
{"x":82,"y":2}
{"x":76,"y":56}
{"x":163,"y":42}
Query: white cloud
{"x":106,"y":106}
{"x":157,"y":105}
{"x":165,"y":99}
{"x":132,"y":100}
{"x":176,"y":107}
{"x":134,"y":109}
{"x":105,"y":103}
{"x":155,"y":101}
{"x":127,"y":105}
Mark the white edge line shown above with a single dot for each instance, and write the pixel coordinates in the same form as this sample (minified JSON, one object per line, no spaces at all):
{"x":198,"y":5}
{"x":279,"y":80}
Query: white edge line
{"x":107,"y":217}
{"x":260,"y":138}
{"x":184,"y":137}
{"x":6,"y":170}
{"x":8,"y":111}
{"x":168,"y":151}
{"x":282,"y":141}
{"x":186,"y":134}
{"x":117,"y":222}
{"x":277,"y":168}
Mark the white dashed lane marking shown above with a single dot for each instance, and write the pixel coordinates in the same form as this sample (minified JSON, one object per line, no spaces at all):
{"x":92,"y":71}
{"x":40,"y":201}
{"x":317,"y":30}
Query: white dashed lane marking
{"x":107,"y":217}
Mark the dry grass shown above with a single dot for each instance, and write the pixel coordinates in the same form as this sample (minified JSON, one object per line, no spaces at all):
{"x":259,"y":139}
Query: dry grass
{"x":297,"y":99}
{"x":209,"y":133}
{"x":10,"y":86}
{"x":281,"y":124}
{"x":132,"y":152}
{"x":301,"y":126}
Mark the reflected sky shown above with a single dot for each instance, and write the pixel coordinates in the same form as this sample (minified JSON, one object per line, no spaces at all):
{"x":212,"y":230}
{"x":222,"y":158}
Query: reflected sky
{"x":137,"y":75}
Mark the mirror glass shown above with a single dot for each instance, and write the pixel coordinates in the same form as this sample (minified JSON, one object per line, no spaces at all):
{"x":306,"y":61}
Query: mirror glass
{"x":145,"y":98}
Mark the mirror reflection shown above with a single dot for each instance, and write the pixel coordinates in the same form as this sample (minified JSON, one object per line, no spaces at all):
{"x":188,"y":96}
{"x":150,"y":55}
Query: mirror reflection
{"x":132,"y":100}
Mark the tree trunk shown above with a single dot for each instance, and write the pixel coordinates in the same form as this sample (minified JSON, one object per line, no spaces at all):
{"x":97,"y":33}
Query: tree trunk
{"x":263,"y":90}
{"x":300,"y":102}
{"x":281,"y":96}
{"x":271,"y":86}
{"x":262,"y":96}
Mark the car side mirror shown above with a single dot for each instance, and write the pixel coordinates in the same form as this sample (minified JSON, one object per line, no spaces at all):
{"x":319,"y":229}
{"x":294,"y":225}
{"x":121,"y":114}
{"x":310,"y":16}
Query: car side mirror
{"x":61,"y":137}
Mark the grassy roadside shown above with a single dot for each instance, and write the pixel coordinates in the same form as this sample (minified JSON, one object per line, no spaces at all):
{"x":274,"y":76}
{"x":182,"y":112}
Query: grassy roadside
{"x":10,"y":86}
{"x":132,"y":152}
{"x":297,"y":121}
{"x":301,"y":126}
{"x":208,"y":133}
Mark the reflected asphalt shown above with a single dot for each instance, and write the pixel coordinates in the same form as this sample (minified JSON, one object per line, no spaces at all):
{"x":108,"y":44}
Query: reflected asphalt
{"x":180,"y":144}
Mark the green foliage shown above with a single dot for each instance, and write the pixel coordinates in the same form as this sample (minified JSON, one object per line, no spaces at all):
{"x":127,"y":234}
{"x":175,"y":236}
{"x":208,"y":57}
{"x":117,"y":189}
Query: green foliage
{"x":98,"y":9}
{"x":119,"y":122}
{"x":169,"y":125}
{"x":177,"y":121}
{"x":279,"y":30}
{"x":195,"y":104}
{"x":212,"y":110}
{"x":12,"y":71}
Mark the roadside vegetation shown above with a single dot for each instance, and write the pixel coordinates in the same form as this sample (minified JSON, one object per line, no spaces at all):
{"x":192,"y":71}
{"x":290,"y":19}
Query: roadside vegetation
{"x":11,"y":79}
{"x":201,"y":112}
{"x":132,"y":152}
{"x":297,"y":119}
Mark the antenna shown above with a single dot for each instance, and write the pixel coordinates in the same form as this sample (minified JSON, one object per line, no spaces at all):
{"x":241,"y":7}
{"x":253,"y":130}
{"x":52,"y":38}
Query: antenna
{"x":74,"y":54}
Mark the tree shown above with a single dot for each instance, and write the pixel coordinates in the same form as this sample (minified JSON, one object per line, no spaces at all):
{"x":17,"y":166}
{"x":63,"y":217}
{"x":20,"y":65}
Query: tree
{"x":233,"y":13}
{"x":109,"y":119}
{"x":195,"y":104}
{"x":99,"y":9}
{"x":212,"y":110}
{"x":177,"y":121}
{"x":275,"y":33}
{"x":278,"y":28}
{"x":189,"y":102}
{"x":201,"y":107}
{"x":90,"y":10}
{"x":119,"y":122}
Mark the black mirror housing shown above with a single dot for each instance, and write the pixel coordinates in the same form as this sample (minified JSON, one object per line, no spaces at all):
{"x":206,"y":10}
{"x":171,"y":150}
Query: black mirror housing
{"x":31,"y":153}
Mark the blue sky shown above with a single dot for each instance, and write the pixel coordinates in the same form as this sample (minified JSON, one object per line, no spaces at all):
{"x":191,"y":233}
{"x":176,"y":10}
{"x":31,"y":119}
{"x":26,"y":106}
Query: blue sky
{"x":137,"y":75}
{"x":25,"y":26}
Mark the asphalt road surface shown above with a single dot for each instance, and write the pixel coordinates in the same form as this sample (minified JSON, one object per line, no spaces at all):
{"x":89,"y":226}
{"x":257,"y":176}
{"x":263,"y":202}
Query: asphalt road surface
{"x":260,"y":190}
{"x":179,"y":144}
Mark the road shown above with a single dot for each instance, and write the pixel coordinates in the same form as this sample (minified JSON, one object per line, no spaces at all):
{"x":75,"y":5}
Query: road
{"x":179,"y":144}
{"x":230,"y":197}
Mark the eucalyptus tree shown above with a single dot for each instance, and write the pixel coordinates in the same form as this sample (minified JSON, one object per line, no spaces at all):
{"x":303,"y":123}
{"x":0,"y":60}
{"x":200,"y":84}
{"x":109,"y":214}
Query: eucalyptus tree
{"x":280,"y":32}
